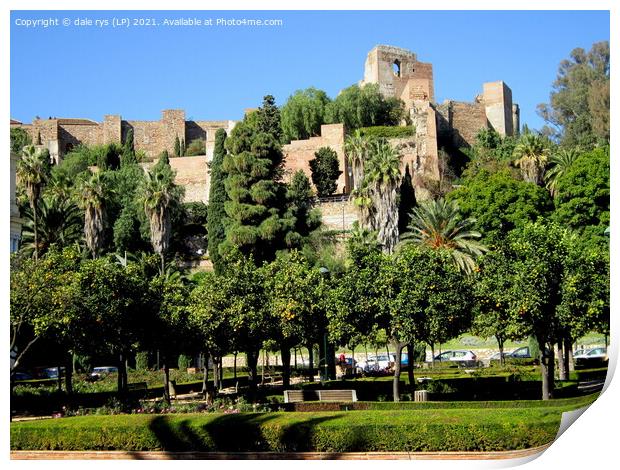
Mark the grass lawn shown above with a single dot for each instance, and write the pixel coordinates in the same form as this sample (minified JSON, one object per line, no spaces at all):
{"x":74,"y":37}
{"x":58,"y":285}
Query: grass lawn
{"x":420,"y":429}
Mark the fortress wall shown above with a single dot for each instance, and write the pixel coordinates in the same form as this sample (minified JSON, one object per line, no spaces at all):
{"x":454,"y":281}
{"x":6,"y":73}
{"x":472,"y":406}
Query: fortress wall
{"x":298,"y":153}
{"x":148,"y":137}
{"x":337,"y":214}
{"x":46,"y":128}
{"x":112,"y":129}
{"x":72,"y":135}
{"x":192,"y":174}
{"x":466,"y":120}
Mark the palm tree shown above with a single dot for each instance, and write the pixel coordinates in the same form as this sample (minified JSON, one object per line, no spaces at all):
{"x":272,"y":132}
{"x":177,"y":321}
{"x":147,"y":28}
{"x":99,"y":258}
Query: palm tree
{"x":438,"y":225}
{"x":558,"y":164}
{"x":159,"y":194}
{"x":383,"y":181}
{"x":59,"y":223}
{"x":93,"y":196}
{"x":530,"y":156}
{"x":356,"y":150}
{"x":32,"y":174}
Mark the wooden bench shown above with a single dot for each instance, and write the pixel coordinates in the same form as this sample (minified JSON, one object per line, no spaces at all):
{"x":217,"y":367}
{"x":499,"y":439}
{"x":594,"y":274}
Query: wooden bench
{"x":137,"y":387}
{"x":294,"y":396}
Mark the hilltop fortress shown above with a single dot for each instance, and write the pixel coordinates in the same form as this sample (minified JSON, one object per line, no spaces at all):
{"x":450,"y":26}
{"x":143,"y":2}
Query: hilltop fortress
{"x":398,"y":73}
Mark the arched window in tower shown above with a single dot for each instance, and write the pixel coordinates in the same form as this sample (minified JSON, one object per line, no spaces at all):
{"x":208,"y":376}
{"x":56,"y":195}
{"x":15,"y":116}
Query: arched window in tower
{"x":396,"y":68}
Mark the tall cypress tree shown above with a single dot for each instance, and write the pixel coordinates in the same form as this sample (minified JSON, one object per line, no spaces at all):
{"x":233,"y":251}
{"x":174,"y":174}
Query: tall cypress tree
{"x":129,"y":155}
{"x":217,"y":198}
{"x":253,"y":168}
{"x":177,"y":147}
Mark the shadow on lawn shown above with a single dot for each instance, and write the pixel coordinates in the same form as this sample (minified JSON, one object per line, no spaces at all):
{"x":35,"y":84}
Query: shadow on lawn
{"x":241,"y":436}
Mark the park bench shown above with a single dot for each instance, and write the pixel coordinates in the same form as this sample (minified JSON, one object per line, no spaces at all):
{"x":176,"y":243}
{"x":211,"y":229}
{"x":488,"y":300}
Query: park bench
{"x":294,"y":396}
{"x":137,"y":387}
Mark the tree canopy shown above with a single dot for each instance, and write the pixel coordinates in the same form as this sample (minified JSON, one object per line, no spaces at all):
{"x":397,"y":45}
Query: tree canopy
{"x":578,"y":110}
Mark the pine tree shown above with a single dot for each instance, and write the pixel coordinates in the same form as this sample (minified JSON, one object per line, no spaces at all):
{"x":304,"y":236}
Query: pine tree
{"x":256,"y":225}
{"x":182,"y":154}
{"x":217,"y":198}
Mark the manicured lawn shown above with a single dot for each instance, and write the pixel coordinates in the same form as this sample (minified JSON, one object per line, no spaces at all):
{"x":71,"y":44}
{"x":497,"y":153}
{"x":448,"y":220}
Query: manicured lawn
{"x":430,"y":429}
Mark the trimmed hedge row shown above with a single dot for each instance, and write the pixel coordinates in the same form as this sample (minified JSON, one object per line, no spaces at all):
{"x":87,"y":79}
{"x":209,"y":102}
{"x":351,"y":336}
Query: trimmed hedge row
{"x":354,"y":431}
{"x":564,"y":403}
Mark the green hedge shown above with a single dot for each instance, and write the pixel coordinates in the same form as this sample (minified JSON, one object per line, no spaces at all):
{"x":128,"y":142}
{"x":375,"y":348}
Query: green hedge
{"x":388,"y":132}
{"x":564,"y":404}
{"x":353,"y":431}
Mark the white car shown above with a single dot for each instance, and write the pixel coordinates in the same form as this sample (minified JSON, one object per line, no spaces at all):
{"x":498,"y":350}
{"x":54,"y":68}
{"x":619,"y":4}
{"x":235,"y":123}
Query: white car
{"x":380,"y":363}
{"x":595,"y":353}
{"x":99,"y":372}
{"x":460,"y":356}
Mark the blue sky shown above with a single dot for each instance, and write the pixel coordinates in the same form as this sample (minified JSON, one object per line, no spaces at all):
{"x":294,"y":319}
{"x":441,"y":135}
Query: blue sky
{"x":216,"y":72}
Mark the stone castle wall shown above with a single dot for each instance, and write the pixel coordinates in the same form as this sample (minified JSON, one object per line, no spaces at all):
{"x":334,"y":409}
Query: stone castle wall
{"x":298,"y":153}
{"x":191,"y":173}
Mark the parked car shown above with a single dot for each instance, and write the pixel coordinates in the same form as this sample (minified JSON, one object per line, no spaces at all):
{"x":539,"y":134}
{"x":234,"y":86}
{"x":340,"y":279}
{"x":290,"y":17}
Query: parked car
{"x":460,"y":356}
{"x":594,"y":353}
{"x":21,"y":376}
{"x":50,"y":372}
{"x":520,"y":353}
{"x":99,"y":372}
{"x":381,"y":363}
{"x":591,"y":358}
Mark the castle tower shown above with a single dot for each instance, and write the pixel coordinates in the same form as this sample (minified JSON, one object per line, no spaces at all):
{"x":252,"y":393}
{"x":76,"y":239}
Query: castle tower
{"x":497,"y":99}
{"x":399,"y":74}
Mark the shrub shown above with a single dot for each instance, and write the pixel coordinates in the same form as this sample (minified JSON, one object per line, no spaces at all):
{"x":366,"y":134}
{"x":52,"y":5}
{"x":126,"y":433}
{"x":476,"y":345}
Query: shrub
{"x":196,"y":147}
{"x":142,"y":360}
{"x":184,"y":362}
{"x":325,"y":171}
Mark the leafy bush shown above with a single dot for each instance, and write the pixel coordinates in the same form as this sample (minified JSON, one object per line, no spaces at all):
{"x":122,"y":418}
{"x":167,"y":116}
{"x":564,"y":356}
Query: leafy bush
{"x":325,"y":171}
{"x":196,"y":147}
{"x":184,"y":362}
{"x":388,"y":132}
{"x":142,"y":360}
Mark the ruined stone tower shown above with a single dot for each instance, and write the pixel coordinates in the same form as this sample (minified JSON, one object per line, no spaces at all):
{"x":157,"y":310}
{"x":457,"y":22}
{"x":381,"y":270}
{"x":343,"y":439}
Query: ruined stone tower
{"x":399,"y":74}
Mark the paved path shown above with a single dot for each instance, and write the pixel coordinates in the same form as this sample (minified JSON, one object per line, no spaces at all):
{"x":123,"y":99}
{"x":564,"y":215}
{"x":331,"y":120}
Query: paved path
{"x":122,"y":455}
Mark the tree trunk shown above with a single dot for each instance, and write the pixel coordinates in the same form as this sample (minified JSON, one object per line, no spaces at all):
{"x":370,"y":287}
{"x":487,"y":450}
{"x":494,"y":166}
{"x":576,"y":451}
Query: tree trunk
{"x":252,"y":358}
{"x":410,"y":372}
{"x":235,"y":367}
{"x":562,"y":370}
{"x":36,"y":234}
{"x":205,"y":374}
{"x":122,"y":374}
{"x":396,"y":381}
{"x":216,"y":375}
{"x":568,"y":355}
{"x":69,"y":374}
{"x":285,"y":351}
{"x":59,"y":379}
{"x":310,"y":347}
{"x":546,"y":370}
{"x":166,"y":381}
{"x":500,"y":344}
{"x":551,"y":371}
{"x":221,"y":371}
